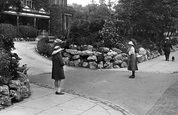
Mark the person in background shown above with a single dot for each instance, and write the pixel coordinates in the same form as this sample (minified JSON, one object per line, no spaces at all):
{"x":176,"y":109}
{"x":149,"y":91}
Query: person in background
{"x":57,"y":69}
{"x":167,"y":48}
{"x":132,"y":61}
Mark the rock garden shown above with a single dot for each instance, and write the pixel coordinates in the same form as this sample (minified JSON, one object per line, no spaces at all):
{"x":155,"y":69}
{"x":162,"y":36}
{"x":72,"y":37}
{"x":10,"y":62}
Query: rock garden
{"x":14,"y":82}
{"x":89,"y":57}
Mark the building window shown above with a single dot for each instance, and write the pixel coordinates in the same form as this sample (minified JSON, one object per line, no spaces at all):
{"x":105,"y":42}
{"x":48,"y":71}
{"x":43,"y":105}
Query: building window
{"x":29,"y":3}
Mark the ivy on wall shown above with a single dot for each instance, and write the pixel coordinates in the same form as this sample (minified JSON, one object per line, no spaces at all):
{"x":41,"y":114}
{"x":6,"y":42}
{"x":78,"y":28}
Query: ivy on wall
{"x":57,"y":14}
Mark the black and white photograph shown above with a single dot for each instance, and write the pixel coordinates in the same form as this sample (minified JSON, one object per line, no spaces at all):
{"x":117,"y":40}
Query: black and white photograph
{"x":88,"y":57}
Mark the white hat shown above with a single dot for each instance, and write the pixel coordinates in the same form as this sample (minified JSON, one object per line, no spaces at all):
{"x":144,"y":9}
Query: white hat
{"x":131,"y":43}
{"x":167,"y":38}
{"x":56,"y":50}
{"x":57,"y":40}
{"x":56,"y":47}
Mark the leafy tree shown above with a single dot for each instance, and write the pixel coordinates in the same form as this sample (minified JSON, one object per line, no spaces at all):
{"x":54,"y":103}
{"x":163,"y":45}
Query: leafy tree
{"x":87,"y":22}
{"x":147,"y":20}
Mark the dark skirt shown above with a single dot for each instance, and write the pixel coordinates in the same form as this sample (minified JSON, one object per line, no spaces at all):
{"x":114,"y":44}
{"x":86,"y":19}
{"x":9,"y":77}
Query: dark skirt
{"x":57,"y":67}
{"x":132,"y":63}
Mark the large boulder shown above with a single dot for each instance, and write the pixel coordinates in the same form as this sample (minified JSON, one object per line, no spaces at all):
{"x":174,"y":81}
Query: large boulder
{"x":66,"y":60}
{"x":108,"y":65}
{"x":76,"y":57}
{"x":117,"y":62}
{"x":142,"y":51}
{"x":124,"y":65}
{"x":112,"y":53}
{"x":4,"y":90}
{"x":101,"y":65}
{"x":72,"y":51}
{"x":117,"y":50}
{"x":86,"y":53}
{"x":107,"y":58}
{"x":92,"y":65}
{"x":86,"y":47}
{"x":116,"y":66}
{"x":71,"y":63}
{"x":92,"y":58}
{"x":118,"y":57}
{"x":85,"y":64}
{"x":65,"y":54}
{"x":104,"y":49}
{"x":77,"y":63}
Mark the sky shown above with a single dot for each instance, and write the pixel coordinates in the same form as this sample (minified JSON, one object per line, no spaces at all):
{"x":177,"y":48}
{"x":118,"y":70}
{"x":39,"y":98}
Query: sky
{"x":82,"y":2}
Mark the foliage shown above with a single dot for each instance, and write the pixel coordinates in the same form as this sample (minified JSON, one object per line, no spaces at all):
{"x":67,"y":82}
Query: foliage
{"x":85,"y":32}
{"x":56,"y":13}
{"x":44,"y":47}
{"x":26,"y":31}
{"x":110,"y":35}
{"x":147,"y":19}
{"x":9,"y":32}
{"x":5,"y":63}
{"x":87,"y":22}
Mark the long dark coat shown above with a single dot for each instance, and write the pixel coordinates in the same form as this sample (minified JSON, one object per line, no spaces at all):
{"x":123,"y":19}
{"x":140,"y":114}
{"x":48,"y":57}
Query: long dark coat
{"x":132,"y":63}
{"x":57,"y":67}
{"x":167,"y":47}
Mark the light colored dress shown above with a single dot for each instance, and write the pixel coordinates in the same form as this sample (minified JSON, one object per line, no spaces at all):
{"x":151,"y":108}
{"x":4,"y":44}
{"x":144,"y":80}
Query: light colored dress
{"x":132,"y":61}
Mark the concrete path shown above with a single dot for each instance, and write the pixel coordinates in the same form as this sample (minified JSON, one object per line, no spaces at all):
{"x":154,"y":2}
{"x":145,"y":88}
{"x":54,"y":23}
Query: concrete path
{"x":43,"y":101}
{"x":138,"y":96}
{"x":158,"y":65}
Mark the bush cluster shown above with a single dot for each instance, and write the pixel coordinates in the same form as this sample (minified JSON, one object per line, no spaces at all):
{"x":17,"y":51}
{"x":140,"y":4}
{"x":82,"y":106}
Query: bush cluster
{"x":26,"y":32}
{"x":14,"y":85}
{"x":8,"y":32}
{"x":44,"y":47}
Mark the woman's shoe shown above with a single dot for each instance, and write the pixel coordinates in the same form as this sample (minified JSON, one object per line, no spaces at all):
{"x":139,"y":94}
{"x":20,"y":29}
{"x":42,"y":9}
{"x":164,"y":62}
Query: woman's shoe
{"x":59,"y":93}
{"x":132,"y":76}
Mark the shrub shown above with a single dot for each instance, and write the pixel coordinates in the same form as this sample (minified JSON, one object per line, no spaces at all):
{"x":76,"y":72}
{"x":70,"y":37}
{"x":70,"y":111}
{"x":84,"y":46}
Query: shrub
{"x":44,"y":47}
{"x":8,"y":32}
{"x":5,"y":63}
{"x":26,"y":31}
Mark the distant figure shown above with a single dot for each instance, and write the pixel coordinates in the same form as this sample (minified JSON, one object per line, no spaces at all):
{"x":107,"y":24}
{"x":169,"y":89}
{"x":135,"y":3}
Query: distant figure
{"x":132,"y":62}
{"x":167,"y":48}
{"x":57,"y":69}
{"x":173,"y":58}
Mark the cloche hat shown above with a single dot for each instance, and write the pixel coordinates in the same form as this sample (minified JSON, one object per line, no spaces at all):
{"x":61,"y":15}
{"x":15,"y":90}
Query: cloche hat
{"x":131,"y":43}
{"x":56,"y":50}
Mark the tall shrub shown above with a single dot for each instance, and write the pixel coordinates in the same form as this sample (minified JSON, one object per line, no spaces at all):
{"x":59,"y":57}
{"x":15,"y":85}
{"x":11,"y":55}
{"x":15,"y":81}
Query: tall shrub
{"x":9,"y":32}
{"x":44,"y":47}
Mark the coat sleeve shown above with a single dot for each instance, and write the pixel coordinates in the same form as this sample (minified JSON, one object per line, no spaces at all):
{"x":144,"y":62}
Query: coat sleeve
{"x":61,"y":60}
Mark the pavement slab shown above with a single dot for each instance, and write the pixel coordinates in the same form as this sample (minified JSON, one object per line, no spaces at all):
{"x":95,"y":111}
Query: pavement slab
{"x":167,"y":104}
{"x":44,"y":101}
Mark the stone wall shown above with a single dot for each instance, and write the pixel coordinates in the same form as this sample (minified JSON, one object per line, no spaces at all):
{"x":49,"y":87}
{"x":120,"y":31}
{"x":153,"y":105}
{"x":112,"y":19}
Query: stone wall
{"x":103,"y":58}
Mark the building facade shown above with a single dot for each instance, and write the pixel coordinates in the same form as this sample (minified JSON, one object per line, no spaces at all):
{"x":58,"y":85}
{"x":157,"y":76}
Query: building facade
{"x":29,"y":16}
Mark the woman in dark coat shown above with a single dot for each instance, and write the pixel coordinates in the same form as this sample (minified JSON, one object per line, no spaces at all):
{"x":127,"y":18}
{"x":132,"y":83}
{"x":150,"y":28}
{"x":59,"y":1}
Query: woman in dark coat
{"x":167,"y":49}
{"x":57,"y":69}
{"x":132,"y":62}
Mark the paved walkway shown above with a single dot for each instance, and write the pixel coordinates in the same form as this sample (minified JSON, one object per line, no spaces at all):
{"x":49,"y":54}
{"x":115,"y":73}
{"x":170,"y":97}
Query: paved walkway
{"x":158,"y":65}
{"x":167,"y":104}
{"x":43,"y":101}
